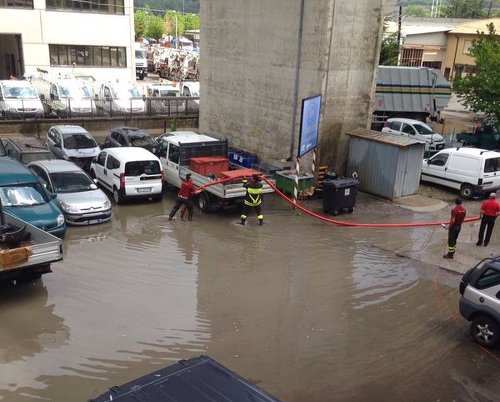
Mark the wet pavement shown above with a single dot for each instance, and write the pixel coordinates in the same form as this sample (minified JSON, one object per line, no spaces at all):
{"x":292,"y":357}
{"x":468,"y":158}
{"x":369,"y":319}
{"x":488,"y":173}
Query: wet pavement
{"x":307,"y":310}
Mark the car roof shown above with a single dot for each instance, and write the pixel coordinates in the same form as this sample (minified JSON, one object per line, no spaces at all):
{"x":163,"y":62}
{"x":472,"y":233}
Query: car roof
{"x":57,"y":165}
{"x":13,"y":172}
{"x":472,"y":151}
{"x":128,"y":154}
{"x":405,"y":120}
{"x":27,"y":144}
{"x":187,"y":137}
{"x":68,"y":130}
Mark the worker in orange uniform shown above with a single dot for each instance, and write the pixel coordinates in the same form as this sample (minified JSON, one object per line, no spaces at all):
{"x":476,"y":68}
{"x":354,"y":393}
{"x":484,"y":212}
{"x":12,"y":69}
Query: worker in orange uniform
{"x":458,"y":213}
{"x":184,"y":197}
{"x":490,"y":209}
{"x":253,"y":198}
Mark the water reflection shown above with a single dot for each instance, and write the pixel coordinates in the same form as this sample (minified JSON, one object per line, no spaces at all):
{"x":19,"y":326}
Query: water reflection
{"x":29,"y":325}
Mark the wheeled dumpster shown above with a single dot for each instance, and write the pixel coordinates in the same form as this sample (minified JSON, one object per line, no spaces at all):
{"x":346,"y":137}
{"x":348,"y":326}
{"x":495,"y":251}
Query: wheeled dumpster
{"x":339,"y":194}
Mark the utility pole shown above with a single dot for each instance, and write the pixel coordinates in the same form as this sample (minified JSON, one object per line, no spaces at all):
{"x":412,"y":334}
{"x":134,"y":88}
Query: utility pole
{"x":400,"y":19}
{"x":489,"y":8}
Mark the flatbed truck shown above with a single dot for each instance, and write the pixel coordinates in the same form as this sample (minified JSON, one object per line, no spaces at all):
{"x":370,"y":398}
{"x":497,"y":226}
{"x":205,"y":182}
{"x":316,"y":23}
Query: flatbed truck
{"x":176,"y":149}
{"x":32,"y":257}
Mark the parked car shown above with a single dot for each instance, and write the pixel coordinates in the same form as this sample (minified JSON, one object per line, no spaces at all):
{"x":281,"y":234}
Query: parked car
{"x":79,"y":198}
{"x":480,"y":301}
{"x":118,"y":98}
{"x":473,"y":171}
{"x":128,"y":173}
{"x":417,"y":130}
{"x":26,"y":149}
{"x":23,"y":196}
{"x":19,"y":99}
{"x":129,"y":137}
{"x":73,"y":143}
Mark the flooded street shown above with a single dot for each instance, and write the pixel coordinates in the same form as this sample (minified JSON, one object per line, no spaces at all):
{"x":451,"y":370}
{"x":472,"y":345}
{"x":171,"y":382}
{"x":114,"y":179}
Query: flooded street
{"x":306,"y":310}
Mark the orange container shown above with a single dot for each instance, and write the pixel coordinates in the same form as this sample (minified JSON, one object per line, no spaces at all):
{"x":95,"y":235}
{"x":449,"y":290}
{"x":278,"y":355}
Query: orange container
{"x":14,"y":256}
{"x":206,"y":165}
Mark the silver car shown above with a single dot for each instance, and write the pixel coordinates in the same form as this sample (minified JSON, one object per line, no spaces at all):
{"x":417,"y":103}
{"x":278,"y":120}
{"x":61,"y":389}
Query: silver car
{"x":81,"y":202}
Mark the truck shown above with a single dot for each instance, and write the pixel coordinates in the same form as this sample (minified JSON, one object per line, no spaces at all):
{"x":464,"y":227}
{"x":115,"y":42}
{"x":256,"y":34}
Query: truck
{"x":205,"y":157}
{"x":409,"y":92}
{"x":19,"y":99}
{"x":485,"y":135}
{"x":26,"y":252}
{"x":141,"y":61}
{"x":64,"y":96}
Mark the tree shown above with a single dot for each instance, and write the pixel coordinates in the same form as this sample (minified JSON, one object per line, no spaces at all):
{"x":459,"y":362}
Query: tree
{"x":389,"y":49}
{"x":156,"y":27}
{"x":465,"y":9}
{"x":480,"y":91}
{"x":416,"y":10}
{"x":140,"y":23}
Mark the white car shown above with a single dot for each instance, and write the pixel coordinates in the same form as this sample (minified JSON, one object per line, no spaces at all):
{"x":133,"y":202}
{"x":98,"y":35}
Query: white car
{"x":417,"y":130}
{"x":129,"y":172}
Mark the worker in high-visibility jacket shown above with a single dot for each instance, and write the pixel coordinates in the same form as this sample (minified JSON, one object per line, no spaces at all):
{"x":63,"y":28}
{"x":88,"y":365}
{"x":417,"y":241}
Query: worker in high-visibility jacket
{"x":253,"y":198}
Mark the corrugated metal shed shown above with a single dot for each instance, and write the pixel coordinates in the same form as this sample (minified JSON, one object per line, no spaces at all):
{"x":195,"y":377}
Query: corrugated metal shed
{"x":387,"y":165}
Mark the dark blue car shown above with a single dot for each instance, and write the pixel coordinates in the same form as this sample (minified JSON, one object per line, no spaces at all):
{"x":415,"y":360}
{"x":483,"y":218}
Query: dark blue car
{"x":24,"y":196}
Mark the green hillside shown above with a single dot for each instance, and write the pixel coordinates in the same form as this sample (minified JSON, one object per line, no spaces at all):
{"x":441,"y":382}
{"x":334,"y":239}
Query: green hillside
{"x":160,"y":6}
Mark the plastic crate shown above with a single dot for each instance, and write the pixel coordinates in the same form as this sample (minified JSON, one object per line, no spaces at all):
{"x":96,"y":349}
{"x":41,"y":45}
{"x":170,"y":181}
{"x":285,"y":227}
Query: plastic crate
{"x":339,"y":194}
{"x":285,"y":181}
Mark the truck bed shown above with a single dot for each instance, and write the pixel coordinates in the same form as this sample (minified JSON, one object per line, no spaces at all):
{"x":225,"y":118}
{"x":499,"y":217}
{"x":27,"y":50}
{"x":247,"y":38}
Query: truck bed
{"x":45,"y":249}
{"x":199,"y":379}
{"x":230,"y":190}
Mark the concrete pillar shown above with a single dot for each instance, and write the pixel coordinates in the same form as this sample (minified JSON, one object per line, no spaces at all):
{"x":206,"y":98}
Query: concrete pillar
{"x":248,"y":72}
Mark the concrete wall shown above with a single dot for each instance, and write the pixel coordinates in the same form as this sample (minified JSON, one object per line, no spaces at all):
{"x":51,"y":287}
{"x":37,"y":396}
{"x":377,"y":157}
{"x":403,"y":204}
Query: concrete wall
{"x":249,"y":53}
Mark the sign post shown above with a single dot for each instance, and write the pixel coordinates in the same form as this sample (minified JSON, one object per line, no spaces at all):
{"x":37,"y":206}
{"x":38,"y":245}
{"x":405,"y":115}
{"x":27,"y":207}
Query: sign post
{"x":308,"y":138}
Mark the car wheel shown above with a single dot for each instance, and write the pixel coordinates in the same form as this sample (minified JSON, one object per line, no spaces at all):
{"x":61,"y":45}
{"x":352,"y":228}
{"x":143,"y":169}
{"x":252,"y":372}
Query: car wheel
{"x":117,"y":196}
{"x":485,"y":331}
{"x":204,"y":202}
{"x":466,"y":191}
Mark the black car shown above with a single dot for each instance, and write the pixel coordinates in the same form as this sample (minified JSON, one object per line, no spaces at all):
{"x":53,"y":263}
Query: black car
{"x":129,"y":137}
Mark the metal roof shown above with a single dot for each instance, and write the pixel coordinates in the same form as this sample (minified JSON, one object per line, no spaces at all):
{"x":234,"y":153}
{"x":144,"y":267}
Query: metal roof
{"x":199,"y":379}
{"x":473,"y":26}
{"x":387,"y":138}
{"x":188,"y":137}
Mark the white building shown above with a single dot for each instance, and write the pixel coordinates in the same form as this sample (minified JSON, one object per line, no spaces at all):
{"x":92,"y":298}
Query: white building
{"x":89,"y":37}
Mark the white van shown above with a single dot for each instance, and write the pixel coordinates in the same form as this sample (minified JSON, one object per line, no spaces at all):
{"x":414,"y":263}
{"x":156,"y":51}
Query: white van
{"x":470,"y":170}
{"x":119,"y":98}
{"x":65,"y":96}
{"x":128,"y":172}
{"x":19,"y":99}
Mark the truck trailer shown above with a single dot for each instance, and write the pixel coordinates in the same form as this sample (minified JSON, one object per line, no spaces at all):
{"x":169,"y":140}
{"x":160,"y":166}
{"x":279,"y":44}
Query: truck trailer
{"x":410,"y":92}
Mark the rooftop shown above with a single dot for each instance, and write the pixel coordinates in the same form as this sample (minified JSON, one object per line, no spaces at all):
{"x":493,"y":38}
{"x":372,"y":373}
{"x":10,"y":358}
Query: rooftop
{"x":472,"y":26}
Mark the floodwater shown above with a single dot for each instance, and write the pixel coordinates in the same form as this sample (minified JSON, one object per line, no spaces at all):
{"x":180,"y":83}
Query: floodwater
{"x":307,"y":310}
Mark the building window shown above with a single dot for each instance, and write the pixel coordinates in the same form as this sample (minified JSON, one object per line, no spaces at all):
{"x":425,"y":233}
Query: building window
{"x":94,"y":6}
{"x":412,"y":57}
{"x":467,"y":45}
{"x":88,"y":56}
{"x":16,"y":4}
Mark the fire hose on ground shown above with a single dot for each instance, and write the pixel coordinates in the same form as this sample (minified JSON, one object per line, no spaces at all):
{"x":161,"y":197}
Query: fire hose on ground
{"x":335,"y":221}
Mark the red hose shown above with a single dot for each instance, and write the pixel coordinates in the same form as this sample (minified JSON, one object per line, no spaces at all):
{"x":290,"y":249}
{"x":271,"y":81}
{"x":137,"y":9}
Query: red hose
{"x":334,"y":221}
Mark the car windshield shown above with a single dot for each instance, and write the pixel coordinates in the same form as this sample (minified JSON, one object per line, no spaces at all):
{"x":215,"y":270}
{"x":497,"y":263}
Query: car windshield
{"x":13,"y":91}
{"x":71,"y":182}
{"x":140,"y":139}
{"x":423,"y":129}
{"x":24,"y":195}
{"x":74,"y":91}
{"x":126,"y":92}
{"x":27,"y":157}
{"x":141,"y":54}
{"x":78,"y":141}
